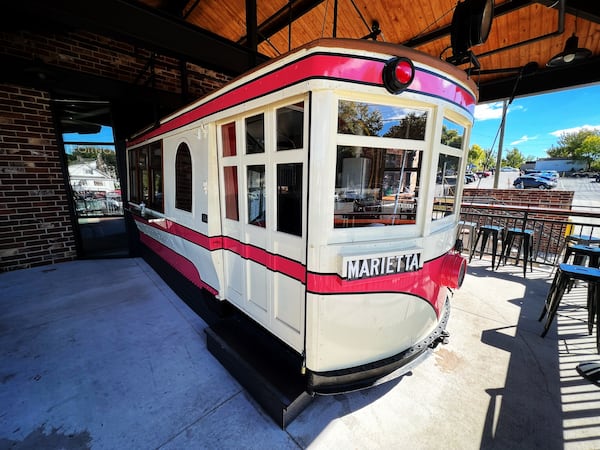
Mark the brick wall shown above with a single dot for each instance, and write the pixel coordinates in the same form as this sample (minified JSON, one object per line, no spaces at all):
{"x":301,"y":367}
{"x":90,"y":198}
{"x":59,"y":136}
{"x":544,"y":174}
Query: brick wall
{"x":523,"y":197}
{"x":35,"y":228}
{"x":36,"y":225}
{"x":101,"y":56}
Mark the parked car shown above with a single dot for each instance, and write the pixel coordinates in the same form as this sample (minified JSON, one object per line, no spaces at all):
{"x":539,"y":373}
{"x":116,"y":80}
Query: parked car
{"x":532,"y":181}
{"x":470,"y":177}
{"x":483,"y":173}
{"x":583,"y":174}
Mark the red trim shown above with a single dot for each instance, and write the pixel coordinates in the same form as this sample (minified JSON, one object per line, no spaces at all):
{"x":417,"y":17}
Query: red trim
{"x":328,"y":66}
{"x":276,"y":263}
{"x":209,"y":243}
{"x":426,"y":283}
{"x":178,"y":262}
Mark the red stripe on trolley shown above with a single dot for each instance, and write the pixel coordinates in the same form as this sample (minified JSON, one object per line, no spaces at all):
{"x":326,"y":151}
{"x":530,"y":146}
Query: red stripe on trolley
{"x":423,"y":283}
{"x":177,"y":261}
{"x":276,"y":263}
{"x":337,"y":67}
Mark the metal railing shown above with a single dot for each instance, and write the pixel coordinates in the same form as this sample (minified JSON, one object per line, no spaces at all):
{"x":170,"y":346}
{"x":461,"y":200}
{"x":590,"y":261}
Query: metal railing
{"x":550,"y":226}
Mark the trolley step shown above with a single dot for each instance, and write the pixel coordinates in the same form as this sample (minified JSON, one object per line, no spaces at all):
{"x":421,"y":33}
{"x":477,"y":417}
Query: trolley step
{"x":264,"y":366}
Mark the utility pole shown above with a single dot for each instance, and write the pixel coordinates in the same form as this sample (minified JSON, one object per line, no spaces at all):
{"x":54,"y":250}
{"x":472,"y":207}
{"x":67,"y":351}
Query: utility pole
{"x":500,"y":144}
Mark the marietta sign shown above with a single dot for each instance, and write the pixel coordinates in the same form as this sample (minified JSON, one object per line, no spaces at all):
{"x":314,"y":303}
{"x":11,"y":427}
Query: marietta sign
{"x":358,"y":267}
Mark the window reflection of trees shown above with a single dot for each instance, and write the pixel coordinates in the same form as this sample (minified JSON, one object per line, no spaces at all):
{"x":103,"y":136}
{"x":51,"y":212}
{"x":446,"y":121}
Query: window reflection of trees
{"x":452,"y":134}
{"x":365,"y":119}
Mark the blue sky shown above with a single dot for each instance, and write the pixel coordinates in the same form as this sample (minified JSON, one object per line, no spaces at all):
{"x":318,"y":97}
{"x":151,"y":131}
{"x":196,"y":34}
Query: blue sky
{"x":534,"y":124}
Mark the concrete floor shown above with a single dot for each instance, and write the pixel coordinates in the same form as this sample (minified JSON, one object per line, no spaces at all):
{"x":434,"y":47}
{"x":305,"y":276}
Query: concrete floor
{"x":102,"y":354}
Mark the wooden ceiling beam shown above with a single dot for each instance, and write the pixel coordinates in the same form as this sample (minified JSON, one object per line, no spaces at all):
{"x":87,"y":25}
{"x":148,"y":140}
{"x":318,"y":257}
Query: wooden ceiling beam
{"x":282,"y":18}
{"x":499,"y":10}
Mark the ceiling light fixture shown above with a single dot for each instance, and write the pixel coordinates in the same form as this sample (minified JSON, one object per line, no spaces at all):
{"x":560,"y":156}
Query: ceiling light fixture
{"x":571,"y":53}
{"x":471,"y":25}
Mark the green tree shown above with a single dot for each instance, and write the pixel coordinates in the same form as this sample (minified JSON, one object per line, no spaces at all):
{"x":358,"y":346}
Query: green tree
{"x":589,"y":151}
{"x":476,"y":155}
{"x":489,"y":159}
{"x":514,"y":158}
{"x":569,"y":144}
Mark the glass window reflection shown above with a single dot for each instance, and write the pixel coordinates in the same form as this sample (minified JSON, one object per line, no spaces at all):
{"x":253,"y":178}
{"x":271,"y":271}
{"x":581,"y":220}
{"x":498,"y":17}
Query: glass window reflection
{"x":452,"y":134}
{"x":376,"y":186}
{"x":369,"y":119}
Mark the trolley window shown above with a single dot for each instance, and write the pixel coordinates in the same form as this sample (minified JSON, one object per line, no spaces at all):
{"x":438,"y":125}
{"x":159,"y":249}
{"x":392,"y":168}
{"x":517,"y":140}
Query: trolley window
{"x":228,"y":138}
{"x":134,"y":176}
{"x":231,"y":192}
{"x":452,"y":134}
{"x":255,"y":134}
{"x":368,"y":119}
{"x":290,"y":127}
{"x":376,"y":186}
{"x":256,"y":195}
{"x":448,"y":169}
{"x":146,"y":175}
{"x":289,"y":198}
{"x":183,"y":178}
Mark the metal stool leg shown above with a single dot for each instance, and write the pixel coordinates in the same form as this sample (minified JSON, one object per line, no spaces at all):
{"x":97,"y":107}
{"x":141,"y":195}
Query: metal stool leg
{"x":526,"y":251}
{"x":494,"y":234}
{"x":561,"y":286}
{"x":506,"y":245}
{"x":550,"y":295}
{"x":591,"y":305}
{"x":473,"y":250}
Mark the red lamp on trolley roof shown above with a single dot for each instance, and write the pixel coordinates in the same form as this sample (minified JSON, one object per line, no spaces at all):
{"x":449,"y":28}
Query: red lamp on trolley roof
{"x":398,"y":73}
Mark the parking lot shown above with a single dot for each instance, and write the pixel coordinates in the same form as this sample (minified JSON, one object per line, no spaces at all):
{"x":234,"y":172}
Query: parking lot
{"x":587,"y":191}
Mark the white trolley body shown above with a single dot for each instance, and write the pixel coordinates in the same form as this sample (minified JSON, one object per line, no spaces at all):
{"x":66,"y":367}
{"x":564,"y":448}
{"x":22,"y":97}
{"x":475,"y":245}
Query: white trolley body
{"x":319,"y":194}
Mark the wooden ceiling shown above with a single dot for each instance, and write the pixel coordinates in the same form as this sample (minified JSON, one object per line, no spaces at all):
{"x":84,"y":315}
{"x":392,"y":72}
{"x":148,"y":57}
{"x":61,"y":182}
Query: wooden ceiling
{"x":232,"y":36}
{"x":522,"y":32}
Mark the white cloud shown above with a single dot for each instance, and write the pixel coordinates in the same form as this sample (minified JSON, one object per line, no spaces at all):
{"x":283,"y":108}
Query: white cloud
{"x":490,"y":111}
{"x":524,"y":139}
{"x":573,"y":130}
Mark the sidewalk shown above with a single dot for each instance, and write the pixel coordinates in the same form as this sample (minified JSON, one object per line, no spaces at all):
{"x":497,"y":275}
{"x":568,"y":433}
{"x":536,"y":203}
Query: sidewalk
{"x":102,"y":354}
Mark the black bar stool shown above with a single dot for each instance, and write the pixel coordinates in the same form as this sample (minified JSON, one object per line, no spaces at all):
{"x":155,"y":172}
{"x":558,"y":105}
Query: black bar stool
{"x":565,"y":274}
{"x":484,"y":232}
{"x":525,"y":242}
{"x":469,"y":228}
{"x":577,"y":239}
{"x":580,"y":252}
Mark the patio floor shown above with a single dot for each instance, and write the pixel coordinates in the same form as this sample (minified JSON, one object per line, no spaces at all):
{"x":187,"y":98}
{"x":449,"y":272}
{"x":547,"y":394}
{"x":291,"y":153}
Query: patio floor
{"x":103,"y":354}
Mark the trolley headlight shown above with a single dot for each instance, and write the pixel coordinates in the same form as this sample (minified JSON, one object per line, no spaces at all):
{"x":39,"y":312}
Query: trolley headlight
{"x":398,"y":73}
{"x":453,"y":271}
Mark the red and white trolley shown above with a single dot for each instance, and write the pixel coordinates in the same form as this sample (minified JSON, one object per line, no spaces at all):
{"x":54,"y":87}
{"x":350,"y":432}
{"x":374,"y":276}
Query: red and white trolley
{"x":319,"y":195}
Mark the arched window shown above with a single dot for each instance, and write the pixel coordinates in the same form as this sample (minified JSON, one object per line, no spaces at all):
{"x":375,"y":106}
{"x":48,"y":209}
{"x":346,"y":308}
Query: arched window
{"x":183,"y":178}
